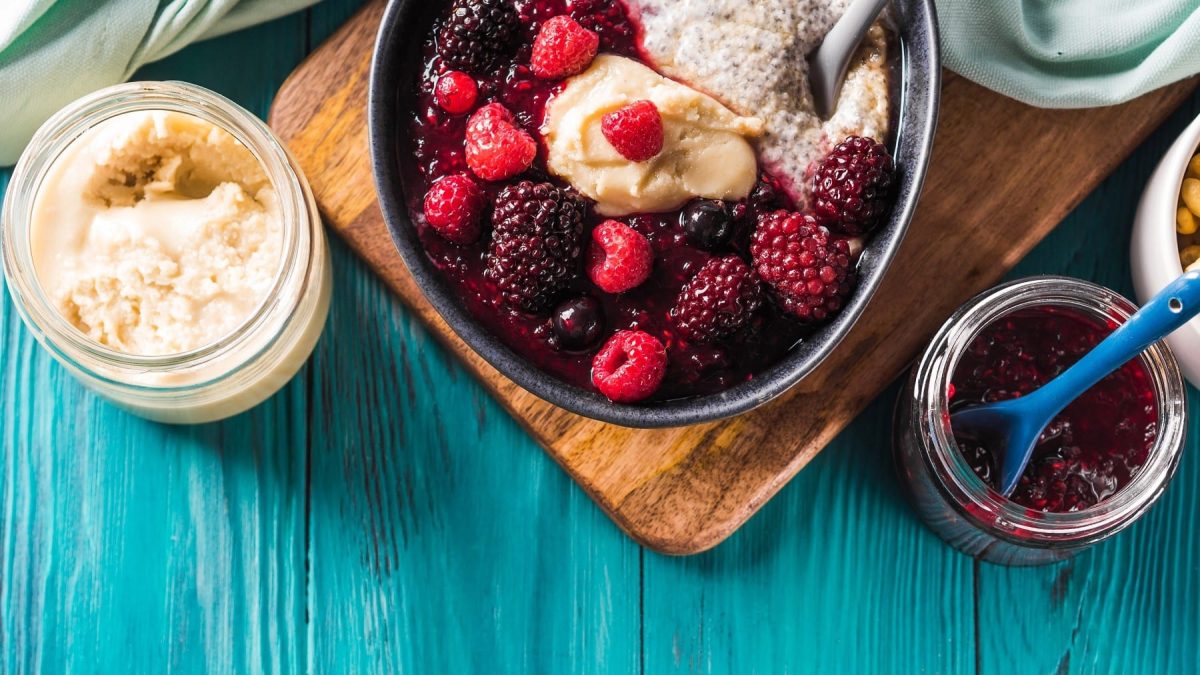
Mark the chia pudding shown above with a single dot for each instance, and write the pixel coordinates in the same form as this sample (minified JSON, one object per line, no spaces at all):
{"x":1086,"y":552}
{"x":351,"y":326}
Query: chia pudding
{"x":751,"y":55}
{"x":638,"y":198}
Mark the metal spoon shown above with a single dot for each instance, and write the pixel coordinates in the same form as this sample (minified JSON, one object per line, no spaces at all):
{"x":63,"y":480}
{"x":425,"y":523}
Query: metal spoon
{"x":1010,"y":429}
{"x":827,"y":64}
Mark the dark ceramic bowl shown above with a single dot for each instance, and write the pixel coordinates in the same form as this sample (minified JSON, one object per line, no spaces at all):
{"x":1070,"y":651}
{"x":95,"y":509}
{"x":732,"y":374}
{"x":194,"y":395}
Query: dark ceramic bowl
{"x":394,"y":73}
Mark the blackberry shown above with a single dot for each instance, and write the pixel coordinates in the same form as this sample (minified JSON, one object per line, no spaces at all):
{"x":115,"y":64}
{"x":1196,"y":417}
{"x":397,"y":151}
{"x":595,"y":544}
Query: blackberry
{"x":852,"y":185}
{"x":536,"y":243}
{"x":809,"y":268}
{"x":718,"y":301}
{"x":477,"y":35}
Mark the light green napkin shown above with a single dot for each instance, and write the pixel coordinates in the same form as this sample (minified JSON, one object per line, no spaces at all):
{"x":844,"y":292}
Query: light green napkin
{"x":54,"y":51}
{"x":1071,"y":53}
{"x":1051,"y":53}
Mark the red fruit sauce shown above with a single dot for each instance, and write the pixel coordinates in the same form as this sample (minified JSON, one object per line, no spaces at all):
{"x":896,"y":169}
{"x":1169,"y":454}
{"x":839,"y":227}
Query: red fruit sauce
{"x":437,"y":150}
{"x":1096,"y":445}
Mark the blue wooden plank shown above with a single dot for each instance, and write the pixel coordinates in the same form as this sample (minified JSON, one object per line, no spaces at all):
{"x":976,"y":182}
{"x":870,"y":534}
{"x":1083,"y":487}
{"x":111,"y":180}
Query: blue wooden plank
{"x":834,"y":575}
{"x":1131,"y":604}
{"x":130,"y":545}
{"x":443,"y":540}
{"x":440,"y":539}
{"x":134,"y":547}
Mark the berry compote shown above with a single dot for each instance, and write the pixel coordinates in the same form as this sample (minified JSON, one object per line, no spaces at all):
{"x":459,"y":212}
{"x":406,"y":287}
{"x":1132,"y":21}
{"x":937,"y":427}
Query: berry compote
{"x":680,"y":245}
{"x":1096,"y":445}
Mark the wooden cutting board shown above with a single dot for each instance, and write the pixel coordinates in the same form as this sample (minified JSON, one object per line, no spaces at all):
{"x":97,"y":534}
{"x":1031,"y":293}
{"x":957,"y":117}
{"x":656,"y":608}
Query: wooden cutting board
{"x":1002,"y":176}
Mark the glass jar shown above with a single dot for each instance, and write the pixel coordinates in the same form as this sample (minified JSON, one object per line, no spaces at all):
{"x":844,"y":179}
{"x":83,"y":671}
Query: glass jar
{"x":238,"y":370}
{"x":957,"y":504}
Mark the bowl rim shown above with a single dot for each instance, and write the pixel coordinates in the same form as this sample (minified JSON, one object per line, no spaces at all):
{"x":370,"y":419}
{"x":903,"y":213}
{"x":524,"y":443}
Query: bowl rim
{"x":1164,"y":248}
{"x":1154,"y":252}
{"x":383,"y":133}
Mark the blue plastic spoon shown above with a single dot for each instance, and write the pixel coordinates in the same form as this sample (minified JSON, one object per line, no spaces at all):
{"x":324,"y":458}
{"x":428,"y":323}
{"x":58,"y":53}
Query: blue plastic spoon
{"x":1010,"y":429}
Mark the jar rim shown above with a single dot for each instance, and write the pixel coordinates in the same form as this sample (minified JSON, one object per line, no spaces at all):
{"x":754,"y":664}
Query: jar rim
{"x":65,"y":128}
{"x":984,"y":506}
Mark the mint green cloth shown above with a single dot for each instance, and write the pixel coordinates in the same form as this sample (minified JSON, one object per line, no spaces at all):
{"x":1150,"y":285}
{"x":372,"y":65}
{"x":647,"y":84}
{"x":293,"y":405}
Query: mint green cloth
{"x":1050,"y":53}
{"x":54,"y":51}
{"x":1071,"y":53}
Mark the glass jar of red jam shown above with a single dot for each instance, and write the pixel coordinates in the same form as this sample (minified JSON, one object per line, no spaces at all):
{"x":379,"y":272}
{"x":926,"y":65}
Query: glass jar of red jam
{"x":1098,"y":466}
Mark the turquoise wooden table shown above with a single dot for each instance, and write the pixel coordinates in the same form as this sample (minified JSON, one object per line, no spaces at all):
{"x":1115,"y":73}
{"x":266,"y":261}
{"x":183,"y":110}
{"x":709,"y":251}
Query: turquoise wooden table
{"x":382,"y":514}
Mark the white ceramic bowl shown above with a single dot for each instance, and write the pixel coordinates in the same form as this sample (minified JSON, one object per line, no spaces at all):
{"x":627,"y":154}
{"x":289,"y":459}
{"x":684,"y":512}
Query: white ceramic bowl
{"x":1155,"y":252}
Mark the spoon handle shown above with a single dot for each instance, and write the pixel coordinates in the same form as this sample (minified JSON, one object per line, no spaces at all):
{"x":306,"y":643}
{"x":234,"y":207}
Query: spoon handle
{"x":1172,"y":307}
{"x":828,"y":63}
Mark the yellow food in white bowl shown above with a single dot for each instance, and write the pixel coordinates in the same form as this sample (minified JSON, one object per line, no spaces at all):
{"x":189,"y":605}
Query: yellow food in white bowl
{"x":1163,"y":237}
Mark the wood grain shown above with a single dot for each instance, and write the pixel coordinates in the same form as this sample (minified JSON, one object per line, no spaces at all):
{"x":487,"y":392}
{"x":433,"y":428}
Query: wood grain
{"x":134,"y":547}
{"x":426,"y":533}
{"x":1003,"y":175}
{"x":1119,"y":608}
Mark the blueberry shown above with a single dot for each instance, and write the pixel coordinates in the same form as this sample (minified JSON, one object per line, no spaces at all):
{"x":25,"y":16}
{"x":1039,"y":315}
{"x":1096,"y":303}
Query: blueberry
{"x":707,"y":224}
{"x":764,"y":197}
{"x":578,"y":323}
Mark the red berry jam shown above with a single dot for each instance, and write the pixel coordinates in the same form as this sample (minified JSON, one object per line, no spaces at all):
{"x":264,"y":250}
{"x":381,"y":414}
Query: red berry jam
{"x":1096,"y":445}
{"x":680,"y":244}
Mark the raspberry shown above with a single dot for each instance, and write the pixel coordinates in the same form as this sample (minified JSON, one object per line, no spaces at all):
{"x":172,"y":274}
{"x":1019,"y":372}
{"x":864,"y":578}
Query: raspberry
{"x":809,"y":268}
{"x":477,"y":35}
{"x":851,"y":186}
{"x":455,"y":92}
{"x":718,"y":301}
{"x":496,"y":147}
{"x":630,"y":366}
{"x":562,"y":48}
{"x":619,"y":257}
{"x":492,"y":114}
{"x":454,"y":206}
{"x":535,"y":248}
{"x":636,"y":131}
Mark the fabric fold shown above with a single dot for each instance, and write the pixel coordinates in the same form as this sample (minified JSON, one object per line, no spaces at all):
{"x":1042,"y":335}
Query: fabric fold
{"x":54,"y":51}
{"x":1048,"y":53}
{"x":1071,"y":53}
